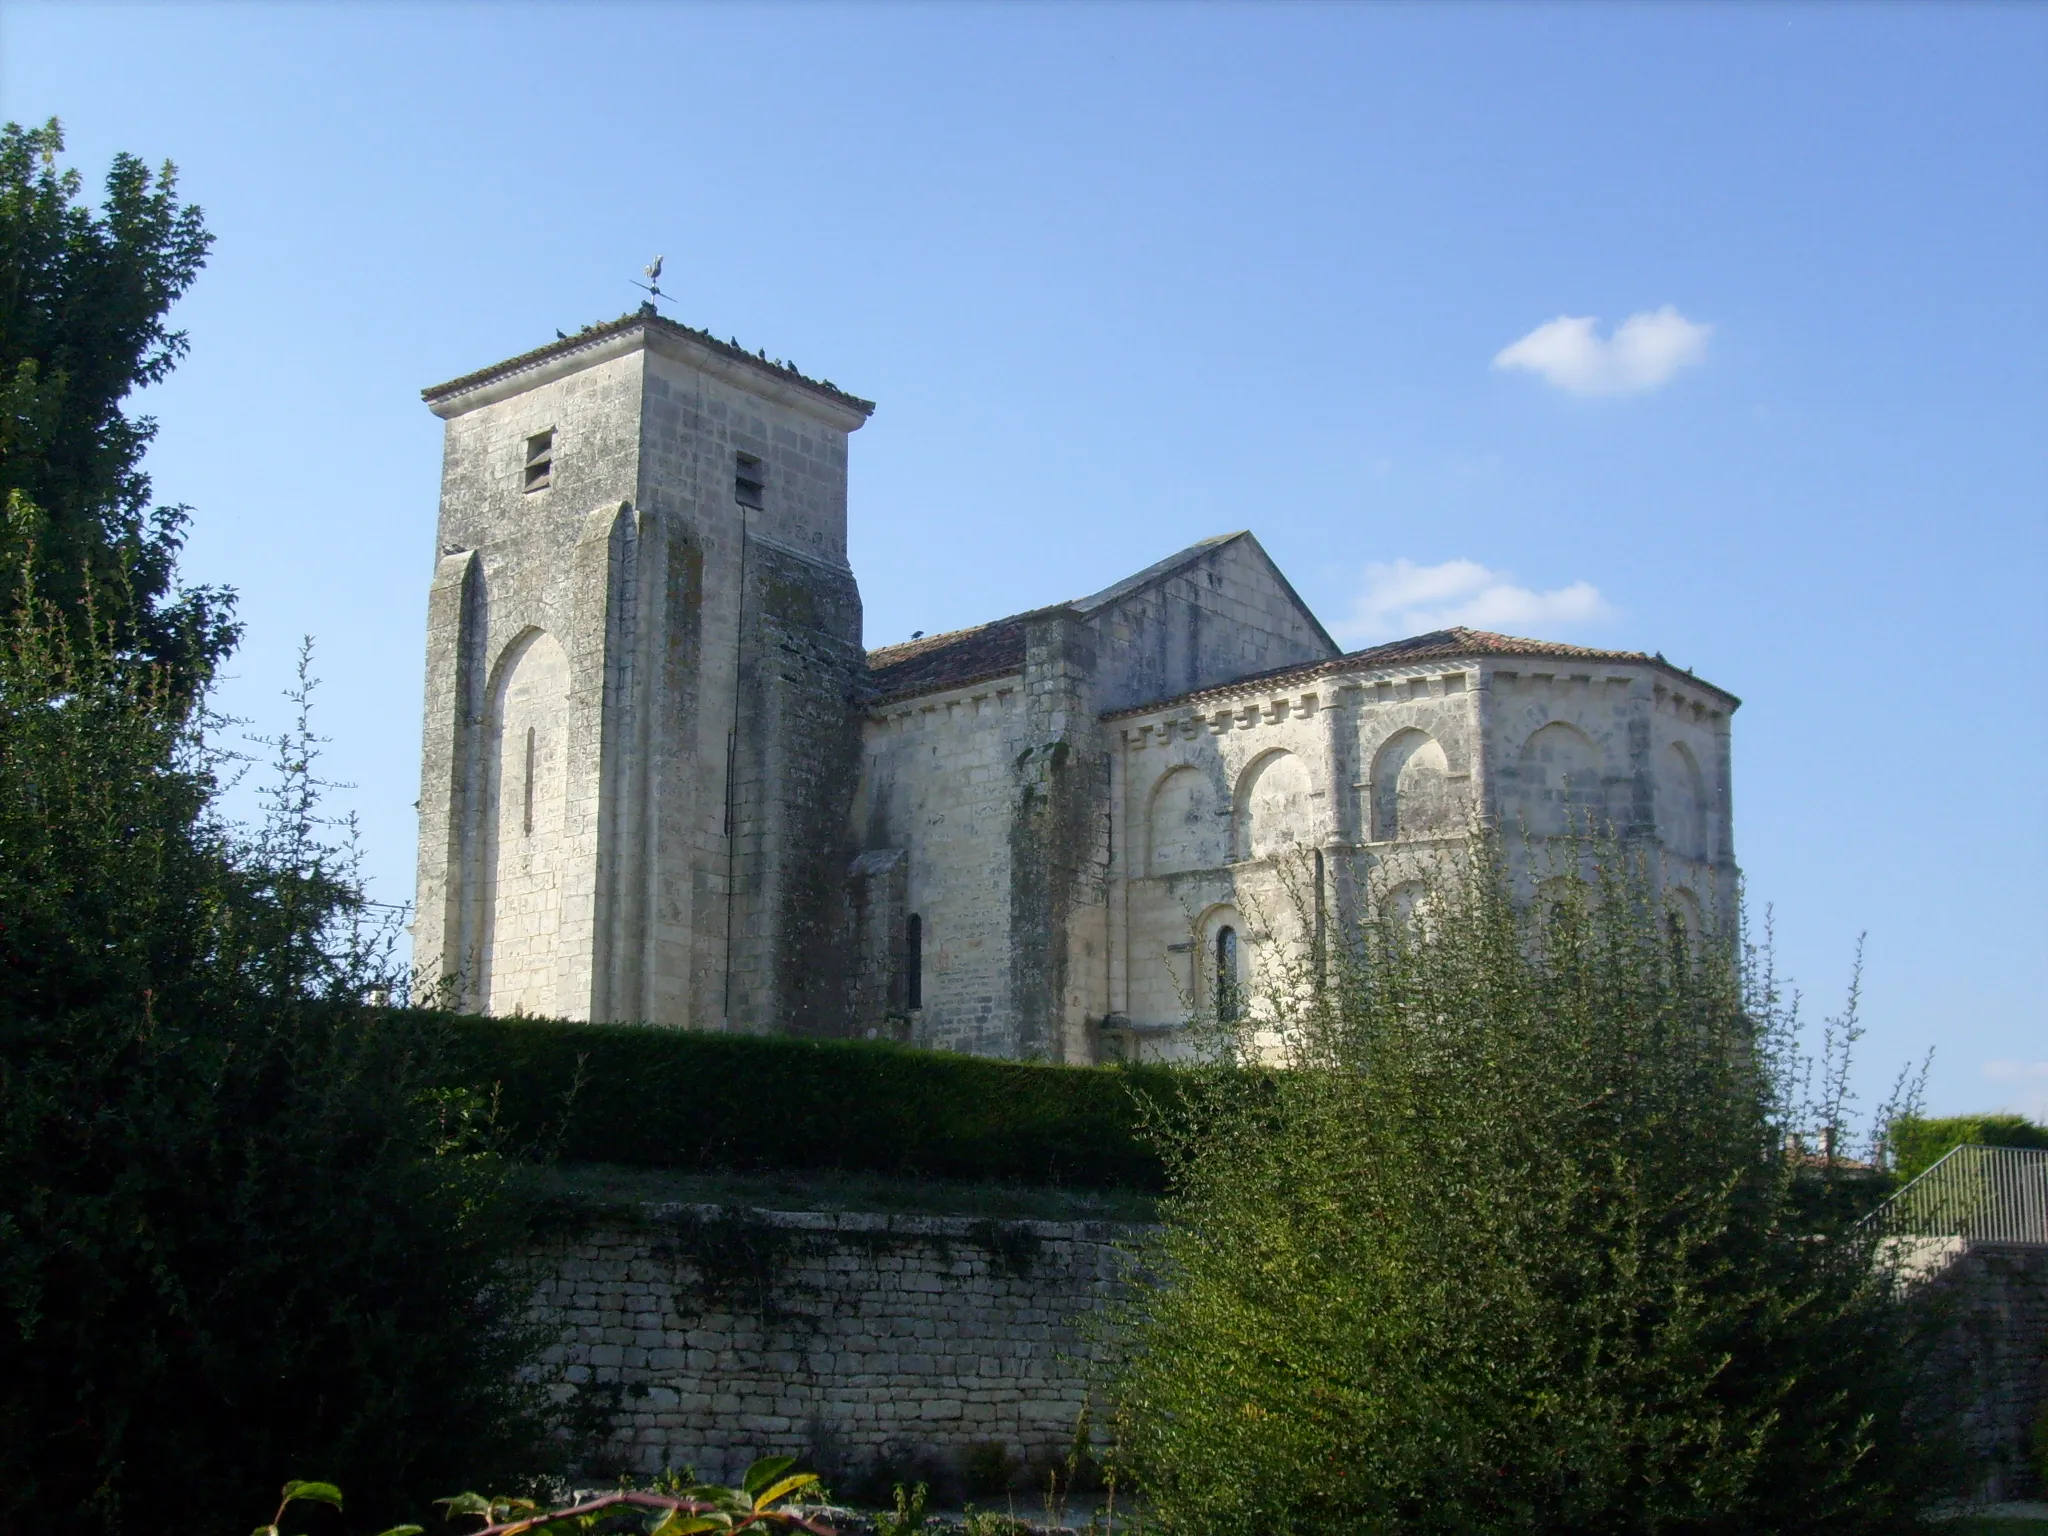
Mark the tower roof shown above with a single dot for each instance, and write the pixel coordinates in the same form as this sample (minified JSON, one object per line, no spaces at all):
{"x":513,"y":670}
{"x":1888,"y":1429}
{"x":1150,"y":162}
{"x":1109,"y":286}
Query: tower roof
{"x":604,"y":340}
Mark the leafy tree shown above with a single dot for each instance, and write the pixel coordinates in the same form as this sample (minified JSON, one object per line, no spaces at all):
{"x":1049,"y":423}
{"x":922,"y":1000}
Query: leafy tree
{"x":84,"y":297}
{"x":245,"y":1228}
{"x":1486,"y":1225}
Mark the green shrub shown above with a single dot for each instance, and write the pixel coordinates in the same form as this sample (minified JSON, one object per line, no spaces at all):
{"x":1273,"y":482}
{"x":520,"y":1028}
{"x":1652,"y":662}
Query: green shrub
{"x":668,"y":1098}
{"x":1918,"y":1144}
{"x":1486,"y":1225}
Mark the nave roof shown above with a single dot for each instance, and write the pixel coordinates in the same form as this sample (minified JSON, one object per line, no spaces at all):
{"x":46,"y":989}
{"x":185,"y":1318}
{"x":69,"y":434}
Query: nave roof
{"x":983,"y":652}
{"x":961,"y":657}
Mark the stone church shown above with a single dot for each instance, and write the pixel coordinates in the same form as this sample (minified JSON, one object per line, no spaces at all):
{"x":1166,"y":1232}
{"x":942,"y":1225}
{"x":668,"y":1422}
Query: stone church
{"x":664,"y":782}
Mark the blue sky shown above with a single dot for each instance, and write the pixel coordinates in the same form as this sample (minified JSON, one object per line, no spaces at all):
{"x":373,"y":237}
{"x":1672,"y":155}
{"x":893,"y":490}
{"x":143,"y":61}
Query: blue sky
{"x":1122,"y":277}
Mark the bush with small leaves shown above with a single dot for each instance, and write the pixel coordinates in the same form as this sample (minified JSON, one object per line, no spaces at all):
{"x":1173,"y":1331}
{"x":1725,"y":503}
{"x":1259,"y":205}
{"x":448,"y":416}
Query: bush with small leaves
{"x":1486,"y":1225}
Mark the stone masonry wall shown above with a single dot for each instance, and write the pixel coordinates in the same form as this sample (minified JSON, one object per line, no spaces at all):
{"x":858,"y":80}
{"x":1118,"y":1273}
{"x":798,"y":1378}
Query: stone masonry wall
{"x":1376,"y":768}
{"x":1228,"y":615}
{"x":796,"y":762}
{"x":741,"y":879}
{"x":857,"y":1340}
{"x":609,"y":643}
{"x":514,"y":565}
{"x":940,"y":784}
{"x":1992,"y":1360}
{"x":715,"y":1335}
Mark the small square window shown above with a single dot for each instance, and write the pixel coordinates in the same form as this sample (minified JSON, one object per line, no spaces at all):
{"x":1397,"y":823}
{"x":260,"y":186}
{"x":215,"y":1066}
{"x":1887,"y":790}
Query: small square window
{"x":748,"y":480}
{"x":540,"y":460}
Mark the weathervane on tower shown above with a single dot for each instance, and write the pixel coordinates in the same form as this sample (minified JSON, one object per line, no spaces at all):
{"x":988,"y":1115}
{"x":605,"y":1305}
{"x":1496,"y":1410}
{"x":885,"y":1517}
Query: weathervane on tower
{"x":653,"y":283}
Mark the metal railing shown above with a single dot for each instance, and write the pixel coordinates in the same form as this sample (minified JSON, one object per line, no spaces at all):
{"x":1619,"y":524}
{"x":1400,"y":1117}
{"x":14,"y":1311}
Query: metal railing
{"x":1973,"y":1195}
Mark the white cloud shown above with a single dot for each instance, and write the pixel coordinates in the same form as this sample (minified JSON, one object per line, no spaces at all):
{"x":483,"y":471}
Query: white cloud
{"x":1402,"y":598}
{"x":1643,"y":353}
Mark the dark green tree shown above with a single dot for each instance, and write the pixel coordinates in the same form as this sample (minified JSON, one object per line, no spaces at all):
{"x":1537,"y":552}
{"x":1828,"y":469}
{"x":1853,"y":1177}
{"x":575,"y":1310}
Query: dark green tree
{"x":247,"y":1230}
{"x":84,"y":300}
{"x":1483,"y":1222}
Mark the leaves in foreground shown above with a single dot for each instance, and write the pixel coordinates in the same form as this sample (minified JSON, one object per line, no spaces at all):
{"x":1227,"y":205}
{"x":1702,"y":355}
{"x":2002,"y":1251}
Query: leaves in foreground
{"x":768,"y":1497}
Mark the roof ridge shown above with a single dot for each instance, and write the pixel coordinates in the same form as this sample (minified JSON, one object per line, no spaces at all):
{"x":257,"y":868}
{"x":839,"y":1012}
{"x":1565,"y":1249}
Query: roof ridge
{"x":1158,"y":570}
{"x":1115,"y":589}
{"x":563,"y":346}
{"x":929,"y":642}
{"x":954,"y":659}
{"x":1460,"y":634}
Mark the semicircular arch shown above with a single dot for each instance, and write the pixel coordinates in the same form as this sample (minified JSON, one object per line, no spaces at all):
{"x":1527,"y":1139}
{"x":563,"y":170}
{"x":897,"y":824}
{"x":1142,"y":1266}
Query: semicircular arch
{"x":1186,"y":826}
{"x":1411,"y":787}
{"x":526,"y":761}
{"x":1559,"y":782}
{"x":1223,"y":961}
{"x":1273,"y":809}
{"x":1685,"y":794}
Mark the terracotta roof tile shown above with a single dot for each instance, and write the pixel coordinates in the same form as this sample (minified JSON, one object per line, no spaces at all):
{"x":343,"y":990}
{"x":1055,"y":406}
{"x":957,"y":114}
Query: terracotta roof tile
{"x":1437,"y":645}
{"x":951,"y":660}
{"x":1482,"y":642}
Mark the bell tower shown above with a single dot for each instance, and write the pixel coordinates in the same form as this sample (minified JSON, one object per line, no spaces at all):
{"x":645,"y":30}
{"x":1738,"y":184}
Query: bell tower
{"x":643,"y":643}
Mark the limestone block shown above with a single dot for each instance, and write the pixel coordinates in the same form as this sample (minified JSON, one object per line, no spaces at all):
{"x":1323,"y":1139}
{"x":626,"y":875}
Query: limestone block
{"x":856,"y":1372}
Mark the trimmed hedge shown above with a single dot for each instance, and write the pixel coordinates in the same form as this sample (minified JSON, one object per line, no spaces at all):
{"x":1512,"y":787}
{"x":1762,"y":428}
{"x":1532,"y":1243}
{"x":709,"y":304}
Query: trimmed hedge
{"x":1921,"y":1144}
{"x":672,"y":1098}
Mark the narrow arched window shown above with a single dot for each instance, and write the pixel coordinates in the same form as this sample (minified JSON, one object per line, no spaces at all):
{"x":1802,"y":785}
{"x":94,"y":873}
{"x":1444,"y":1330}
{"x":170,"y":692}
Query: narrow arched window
{"x":913,"y":961}
{"x":1679,"y":939}
{"x":1227,"y":1003}
{"x":527,"y":826}
{"x":1322,"y":914}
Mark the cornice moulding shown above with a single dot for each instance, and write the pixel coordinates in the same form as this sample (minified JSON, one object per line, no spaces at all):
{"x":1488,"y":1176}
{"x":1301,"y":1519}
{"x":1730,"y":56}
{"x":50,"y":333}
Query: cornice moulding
{"x":744,"y":373}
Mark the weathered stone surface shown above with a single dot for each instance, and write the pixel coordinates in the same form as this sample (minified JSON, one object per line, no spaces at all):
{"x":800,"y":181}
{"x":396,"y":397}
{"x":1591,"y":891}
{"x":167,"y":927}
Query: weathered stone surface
{"x":640,"y":752}
{"x":817,"y":1334}
{"x":1276,"y":805}
{"x":1990,"y":1366}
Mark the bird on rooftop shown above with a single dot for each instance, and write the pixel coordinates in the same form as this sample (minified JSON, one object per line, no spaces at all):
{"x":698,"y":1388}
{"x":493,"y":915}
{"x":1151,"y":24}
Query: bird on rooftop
{"x":560,"y":334}
{"x":917,"y":634}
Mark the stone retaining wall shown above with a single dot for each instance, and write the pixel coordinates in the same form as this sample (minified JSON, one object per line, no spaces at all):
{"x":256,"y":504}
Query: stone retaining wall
{"x":860,"y":1341}
{"x":1993,"y":1358}
{"x":714,"y":1335}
